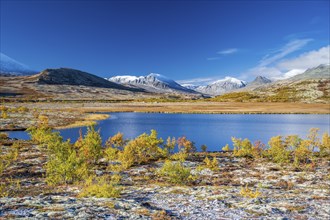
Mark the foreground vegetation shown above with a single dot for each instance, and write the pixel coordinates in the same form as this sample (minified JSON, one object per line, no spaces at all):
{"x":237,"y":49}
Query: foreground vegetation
{"x":75,"y":163}
{"x":151,"y":177}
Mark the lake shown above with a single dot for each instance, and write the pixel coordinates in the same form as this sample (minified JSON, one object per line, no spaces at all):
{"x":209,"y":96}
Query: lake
{"x":213,"y":130}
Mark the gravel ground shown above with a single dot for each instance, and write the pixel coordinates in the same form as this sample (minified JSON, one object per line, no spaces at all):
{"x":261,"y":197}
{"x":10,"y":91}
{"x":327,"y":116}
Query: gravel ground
{"x":285,"y":193}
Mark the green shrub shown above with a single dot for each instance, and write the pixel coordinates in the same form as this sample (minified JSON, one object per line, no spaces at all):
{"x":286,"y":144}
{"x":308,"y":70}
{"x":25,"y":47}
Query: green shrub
{"x":313,"y":139}
{"x":3,"y":136}
{"x":175,"y":172}
{"x":100,"y":187}
{"x":91,"y":146}
{"x":143,"y":149}
{"x":9,"y":157}
{"x":64,"y":166}
{"x":211,"y":164}
{"x":42,"y":133}
{"x":113,"y":145}
{"x":325,"y":145}
{"x":12,"y":155}
{"x":242,"y":148}
{"x":302,"y":154}
{"x":180,"y":156}
{"x":278,"y":151}
{"x":111,"y":153}
{"x":292,"y":142}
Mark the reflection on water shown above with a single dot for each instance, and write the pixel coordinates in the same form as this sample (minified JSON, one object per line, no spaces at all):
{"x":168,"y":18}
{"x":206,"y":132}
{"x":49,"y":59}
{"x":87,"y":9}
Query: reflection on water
{"x":214,"y":130}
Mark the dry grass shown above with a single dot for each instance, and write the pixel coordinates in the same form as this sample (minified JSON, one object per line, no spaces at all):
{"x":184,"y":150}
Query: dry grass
{"x":89,"y":120}
{"x":206,"y":107}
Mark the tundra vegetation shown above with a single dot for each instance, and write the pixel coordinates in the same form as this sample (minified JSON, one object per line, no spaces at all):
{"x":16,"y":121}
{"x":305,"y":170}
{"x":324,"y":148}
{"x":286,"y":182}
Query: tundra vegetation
{"x":76,"y":163}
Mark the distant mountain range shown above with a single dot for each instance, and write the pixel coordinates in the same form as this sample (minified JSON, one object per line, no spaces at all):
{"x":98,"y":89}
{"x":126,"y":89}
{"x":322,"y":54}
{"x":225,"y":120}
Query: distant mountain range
{"x":222,"y":86}
{"x":310,"y":86}
{"x":152,"y":83}
{"x":9,"y":66}
{"x":161,"y":84}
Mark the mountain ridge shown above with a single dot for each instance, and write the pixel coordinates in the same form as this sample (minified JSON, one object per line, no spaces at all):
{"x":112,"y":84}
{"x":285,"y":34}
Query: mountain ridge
{"x":11,"y":67}
{"x":68,"y":76}
{"x":220,"y":86}
{"x":311,"y":86}
{"x":152,"y":82}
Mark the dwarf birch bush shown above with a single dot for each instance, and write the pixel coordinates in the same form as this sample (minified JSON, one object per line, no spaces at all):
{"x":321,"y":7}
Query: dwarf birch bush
{"x":143,"y":149}
{"x":64,"y":165}
{"x":175,"y":172}
{"x":278,"y":151}
{"x":91,"y":146}
{"x":100,"y":187}
{"x":242,"y":148}
{"x":211,"y":164}
{"x":325,"y":145}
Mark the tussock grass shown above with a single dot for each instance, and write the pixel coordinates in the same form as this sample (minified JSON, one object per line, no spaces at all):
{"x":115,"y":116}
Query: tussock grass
{"x":89,"y":120}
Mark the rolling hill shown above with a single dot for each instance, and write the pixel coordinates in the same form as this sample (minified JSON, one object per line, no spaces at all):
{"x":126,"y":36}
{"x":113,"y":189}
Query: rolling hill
{"x":311,"y":86}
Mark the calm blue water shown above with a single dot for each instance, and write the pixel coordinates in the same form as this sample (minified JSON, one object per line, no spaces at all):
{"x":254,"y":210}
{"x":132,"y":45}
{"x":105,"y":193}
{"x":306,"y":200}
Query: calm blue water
{"x":213,"y":130}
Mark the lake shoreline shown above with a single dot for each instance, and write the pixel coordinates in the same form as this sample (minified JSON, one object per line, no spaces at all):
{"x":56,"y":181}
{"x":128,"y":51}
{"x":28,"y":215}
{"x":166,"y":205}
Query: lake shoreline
{"x":66,"y":115}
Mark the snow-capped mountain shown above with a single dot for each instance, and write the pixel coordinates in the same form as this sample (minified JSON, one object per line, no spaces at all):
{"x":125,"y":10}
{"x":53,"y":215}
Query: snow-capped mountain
{"x":9,"y":66}
{"x":153,"y":82}
{"x":189,"y":86}
{"x":220,"y":86}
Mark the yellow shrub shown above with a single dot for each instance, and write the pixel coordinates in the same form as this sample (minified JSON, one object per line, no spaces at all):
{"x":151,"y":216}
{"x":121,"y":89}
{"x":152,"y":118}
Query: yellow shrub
{"x":226,"y":148}
{"x":212,"y":165}
{"x":180,"y":156}
{"x":3,"y":190}
{"x":111,"y":153}
{"x":100,"y":187}
{"x":64,"y":166}
{"x":175,"y":172}
{"x":278,"y":151}
{"x":325,"y":145}
{"x":302,"y":154}
{"x":248,"y":193}
{"x":143,"y":149}
{"x":242,"y":148}
{"x":22,"y":109}
{"x":127,"y":157}
{"x":313,"y":139}
{"x":4,"y":114}
{"x":116,"y":141}
{"x":91,"y":146}
{"x":42,"y":133}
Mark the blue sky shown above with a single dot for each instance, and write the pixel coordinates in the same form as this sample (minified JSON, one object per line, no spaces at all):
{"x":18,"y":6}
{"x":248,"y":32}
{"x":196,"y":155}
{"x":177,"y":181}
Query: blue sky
{"x":189,"y":41}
